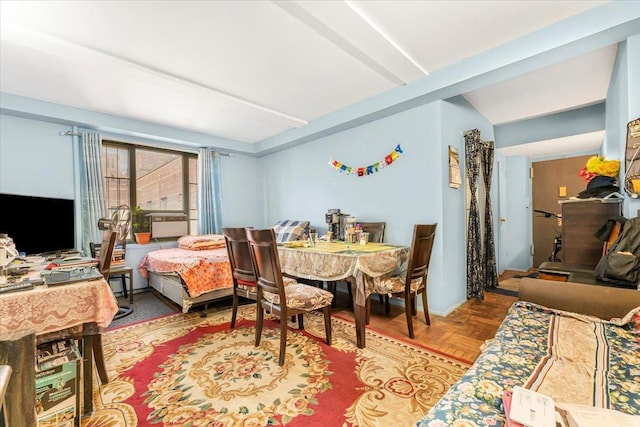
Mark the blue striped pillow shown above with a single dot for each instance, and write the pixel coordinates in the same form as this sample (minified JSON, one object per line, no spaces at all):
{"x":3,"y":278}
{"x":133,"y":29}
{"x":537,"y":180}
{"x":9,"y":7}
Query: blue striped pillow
{"x":289,"y":230}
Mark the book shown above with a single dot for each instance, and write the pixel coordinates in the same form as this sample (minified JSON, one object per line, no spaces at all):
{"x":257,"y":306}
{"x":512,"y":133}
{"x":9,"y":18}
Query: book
{"x":530,"y":409}
{"x":56,"y":353}
{"x":506,"y":403}
{"x":72,"y":262}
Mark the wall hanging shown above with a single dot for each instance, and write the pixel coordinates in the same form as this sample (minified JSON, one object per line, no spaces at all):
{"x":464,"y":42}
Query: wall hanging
{"x":368,"y":170}
{"x":454,"y":168}
{"x":632,"y":163}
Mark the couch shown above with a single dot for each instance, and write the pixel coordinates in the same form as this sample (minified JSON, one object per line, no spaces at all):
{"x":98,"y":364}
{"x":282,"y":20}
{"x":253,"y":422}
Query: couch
{"x":576,"y":343}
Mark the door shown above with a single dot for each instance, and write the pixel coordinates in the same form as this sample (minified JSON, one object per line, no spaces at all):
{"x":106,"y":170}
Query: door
{"x":549,"y":177}
{"x":502,"y":216}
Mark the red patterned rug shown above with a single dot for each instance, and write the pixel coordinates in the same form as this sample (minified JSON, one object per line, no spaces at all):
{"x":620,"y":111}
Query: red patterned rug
{"x":184,"y":370}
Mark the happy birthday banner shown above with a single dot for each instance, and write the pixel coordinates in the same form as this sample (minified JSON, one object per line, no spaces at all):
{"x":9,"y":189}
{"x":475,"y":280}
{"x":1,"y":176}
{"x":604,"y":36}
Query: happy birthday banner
{"x":368,"y":170}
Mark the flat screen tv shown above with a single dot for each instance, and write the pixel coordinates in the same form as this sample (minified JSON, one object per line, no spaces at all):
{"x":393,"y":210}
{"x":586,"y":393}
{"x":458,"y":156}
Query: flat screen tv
{"x":38,"y":224}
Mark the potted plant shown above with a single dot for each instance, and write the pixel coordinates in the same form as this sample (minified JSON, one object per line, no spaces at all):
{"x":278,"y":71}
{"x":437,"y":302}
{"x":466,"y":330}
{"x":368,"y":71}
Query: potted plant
{"x":141,"y":226}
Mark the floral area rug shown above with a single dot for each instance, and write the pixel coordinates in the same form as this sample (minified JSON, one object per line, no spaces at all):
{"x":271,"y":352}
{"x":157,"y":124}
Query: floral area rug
{"x":184,"y":370}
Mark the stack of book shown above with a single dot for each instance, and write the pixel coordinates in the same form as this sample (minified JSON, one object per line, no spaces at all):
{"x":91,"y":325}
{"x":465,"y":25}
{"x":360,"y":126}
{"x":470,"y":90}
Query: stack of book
{"x":118,"y":257}
{"x":56,"y":353}
{"x":70,"y":263}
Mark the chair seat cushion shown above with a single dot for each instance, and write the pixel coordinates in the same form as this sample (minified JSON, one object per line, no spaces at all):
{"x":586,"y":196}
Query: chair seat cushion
{"x":246,"y":283}
{"x":249,"y":288}
{"x":302,"y":297}
{"x":286,"y":280}
{"x":393,"y":284}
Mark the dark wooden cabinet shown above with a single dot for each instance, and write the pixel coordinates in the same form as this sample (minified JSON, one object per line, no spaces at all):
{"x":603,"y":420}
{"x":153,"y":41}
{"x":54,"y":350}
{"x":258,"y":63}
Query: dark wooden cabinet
{"x":580,"y":220}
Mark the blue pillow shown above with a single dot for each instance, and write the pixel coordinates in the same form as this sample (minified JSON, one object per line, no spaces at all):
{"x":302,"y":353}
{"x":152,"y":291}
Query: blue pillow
{"x":289,"y":230}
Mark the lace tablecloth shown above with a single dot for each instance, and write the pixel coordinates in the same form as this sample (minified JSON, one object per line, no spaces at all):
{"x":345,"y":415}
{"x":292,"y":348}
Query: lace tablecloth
{"x":47,"y":309}
{"x":333,"y":261}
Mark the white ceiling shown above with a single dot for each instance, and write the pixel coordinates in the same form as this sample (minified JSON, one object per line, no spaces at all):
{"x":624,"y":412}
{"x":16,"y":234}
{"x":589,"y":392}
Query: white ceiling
{"x":249,"y":70}
{"x":552,"y":147}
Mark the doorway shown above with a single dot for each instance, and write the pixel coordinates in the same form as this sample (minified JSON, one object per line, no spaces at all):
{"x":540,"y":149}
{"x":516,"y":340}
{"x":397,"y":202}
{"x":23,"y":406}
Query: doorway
{"x":549,"y":179}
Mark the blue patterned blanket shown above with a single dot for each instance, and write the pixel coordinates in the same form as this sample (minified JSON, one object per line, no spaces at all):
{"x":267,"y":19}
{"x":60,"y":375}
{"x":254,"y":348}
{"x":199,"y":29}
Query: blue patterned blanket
{"x":570,"y":357}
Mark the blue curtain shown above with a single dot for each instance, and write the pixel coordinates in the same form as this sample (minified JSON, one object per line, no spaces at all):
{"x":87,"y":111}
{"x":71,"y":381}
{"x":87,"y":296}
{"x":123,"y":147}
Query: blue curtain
{"x":93,"y":201}
{"x":209,"y":192}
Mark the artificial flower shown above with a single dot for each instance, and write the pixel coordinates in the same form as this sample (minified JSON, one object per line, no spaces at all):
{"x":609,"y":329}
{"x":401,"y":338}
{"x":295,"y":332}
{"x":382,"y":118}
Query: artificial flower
{"x":599,"y":166}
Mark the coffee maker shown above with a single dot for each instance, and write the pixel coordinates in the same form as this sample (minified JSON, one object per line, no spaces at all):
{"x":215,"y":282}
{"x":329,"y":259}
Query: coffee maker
{"x":336,"y":222}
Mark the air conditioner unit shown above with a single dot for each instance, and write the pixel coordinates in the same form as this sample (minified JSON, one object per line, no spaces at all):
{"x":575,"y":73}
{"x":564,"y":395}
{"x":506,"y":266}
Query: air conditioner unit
{"x":168,"y":225}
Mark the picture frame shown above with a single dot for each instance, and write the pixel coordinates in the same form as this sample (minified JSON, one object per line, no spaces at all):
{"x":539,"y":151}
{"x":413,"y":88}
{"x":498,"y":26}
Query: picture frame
{"x":455,"y":180}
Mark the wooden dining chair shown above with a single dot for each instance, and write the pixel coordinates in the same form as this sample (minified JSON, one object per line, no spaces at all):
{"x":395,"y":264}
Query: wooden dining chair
{"x":274,"y":296}
{"x":375,"y":230}
{"x":244,"y":280}
{"x":104,"y":265}
{"x":412,"y":282}
{"x":118,"y":271}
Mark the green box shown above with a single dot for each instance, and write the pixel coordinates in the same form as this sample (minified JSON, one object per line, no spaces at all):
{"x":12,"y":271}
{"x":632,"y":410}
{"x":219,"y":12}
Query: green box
{"x":57,"y":395}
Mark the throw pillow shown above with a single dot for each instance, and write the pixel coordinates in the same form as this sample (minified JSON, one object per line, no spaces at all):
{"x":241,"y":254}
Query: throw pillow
{"x":289,"y":230}
{"x":202,"y":242}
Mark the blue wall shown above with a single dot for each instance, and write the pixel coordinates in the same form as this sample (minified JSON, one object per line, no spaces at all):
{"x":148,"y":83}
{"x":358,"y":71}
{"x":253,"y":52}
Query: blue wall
{"x":36,"y":161}
{"x":458,"y":116}
{"x":623,"y":105}
{"x":299,"y":183}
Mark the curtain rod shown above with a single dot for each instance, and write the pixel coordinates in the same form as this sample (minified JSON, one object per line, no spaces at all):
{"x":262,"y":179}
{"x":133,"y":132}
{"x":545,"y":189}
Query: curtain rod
{"x":70,"y":133}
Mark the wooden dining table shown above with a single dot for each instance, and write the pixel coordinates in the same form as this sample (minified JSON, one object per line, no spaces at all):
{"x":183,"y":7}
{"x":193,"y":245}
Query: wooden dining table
{"x":333,"y":261}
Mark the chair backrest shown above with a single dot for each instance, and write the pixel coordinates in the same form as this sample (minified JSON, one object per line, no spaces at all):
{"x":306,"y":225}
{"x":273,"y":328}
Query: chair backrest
{"x":423,"y":237}
{"x":239,"y":256}
{"x":266,"y":263}
{"x":375,"y":230}
{"x":5,"y":376}
{"x":106,"y":252}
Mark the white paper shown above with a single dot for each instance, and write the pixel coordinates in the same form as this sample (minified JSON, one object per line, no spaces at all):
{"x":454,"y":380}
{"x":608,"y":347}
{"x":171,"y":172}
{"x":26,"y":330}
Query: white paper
{"x":532,"y":409}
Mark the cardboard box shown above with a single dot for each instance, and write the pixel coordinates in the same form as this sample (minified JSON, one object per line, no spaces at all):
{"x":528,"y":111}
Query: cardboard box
{"x":57,"y":395}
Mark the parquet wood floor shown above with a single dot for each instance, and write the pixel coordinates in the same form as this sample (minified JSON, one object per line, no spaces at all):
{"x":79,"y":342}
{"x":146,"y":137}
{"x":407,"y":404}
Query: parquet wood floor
{"x":460,"y":334}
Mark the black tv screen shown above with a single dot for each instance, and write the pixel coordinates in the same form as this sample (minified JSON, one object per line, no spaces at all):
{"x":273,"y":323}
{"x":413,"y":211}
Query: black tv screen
{"x":38,"y":224}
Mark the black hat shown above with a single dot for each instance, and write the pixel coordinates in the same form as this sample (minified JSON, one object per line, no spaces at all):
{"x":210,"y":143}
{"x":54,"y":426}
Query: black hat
{"x":599,"y":187}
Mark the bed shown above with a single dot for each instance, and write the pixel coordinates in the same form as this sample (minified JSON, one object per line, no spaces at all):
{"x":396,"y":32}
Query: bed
{"x":194,"y":273}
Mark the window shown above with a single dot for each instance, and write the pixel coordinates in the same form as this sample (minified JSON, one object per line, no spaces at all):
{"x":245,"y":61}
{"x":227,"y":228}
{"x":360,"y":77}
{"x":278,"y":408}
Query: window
{"x":156,"y":180}
{"x":193,"y":194}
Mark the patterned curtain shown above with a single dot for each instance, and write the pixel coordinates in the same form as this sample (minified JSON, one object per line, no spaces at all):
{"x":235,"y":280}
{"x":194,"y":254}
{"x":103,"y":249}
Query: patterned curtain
{"x":209,"y":192}
{"x":489,"y":259}
{"x":475,"y":270}
{"x":93,"y":201}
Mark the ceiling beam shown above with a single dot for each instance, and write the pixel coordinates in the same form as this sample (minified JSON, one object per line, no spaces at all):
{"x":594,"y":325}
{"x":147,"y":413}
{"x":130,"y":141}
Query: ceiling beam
{"x":593,"y":29}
